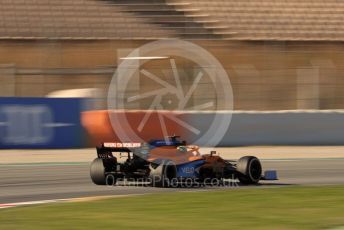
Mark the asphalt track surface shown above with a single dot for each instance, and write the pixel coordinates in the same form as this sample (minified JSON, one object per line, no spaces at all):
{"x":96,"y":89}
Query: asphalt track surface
{"x":33,"y":182}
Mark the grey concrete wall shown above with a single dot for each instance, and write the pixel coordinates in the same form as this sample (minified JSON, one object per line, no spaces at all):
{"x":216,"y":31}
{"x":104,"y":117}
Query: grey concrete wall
{"x":277,"y":128}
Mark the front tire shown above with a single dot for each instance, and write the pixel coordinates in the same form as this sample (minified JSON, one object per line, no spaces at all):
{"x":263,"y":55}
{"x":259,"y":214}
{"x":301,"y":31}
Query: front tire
{"x":97,"y":172}
{"x":250,"y":170}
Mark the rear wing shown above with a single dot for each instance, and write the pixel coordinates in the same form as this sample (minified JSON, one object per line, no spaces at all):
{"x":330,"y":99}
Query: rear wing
{"x":106,"y":149}
{"x":121,"y":145}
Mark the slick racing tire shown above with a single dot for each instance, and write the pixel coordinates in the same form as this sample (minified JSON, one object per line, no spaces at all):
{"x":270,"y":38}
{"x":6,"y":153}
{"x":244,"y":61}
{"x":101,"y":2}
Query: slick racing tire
{"x":250,"y":170}
{"x":97,"y":172}
{"x":163,"y":174}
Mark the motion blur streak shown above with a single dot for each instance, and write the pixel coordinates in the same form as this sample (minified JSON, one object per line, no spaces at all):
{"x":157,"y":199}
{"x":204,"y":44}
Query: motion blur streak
{"x":46,"y":182}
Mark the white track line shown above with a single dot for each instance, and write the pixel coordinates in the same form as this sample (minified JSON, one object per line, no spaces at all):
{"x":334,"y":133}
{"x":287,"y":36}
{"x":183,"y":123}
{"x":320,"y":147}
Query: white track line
{"x":80,"y":199}
{"x":11,"y":205}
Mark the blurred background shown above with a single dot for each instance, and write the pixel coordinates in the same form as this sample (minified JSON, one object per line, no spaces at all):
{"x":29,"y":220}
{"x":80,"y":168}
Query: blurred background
{"x":284,"y":60}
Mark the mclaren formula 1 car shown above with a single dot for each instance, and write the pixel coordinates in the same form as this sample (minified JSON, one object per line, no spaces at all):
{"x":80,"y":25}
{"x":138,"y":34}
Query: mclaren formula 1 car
{"x":161,"y":162}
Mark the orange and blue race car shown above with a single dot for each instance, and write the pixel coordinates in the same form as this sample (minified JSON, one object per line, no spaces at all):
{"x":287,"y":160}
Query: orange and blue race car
{"x":170,"y":161}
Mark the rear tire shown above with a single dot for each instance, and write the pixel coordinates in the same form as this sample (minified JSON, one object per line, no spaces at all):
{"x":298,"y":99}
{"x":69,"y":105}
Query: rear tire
{"x":250,"y":170}
{"x":97,"y":172}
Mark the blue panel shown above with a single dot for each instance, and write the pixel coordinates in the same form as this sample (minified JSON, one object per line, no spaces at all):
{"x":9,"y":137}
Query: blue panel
{"x":40,"y":123}
{"x":189,"y":170}
{"x":160,"y":143}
